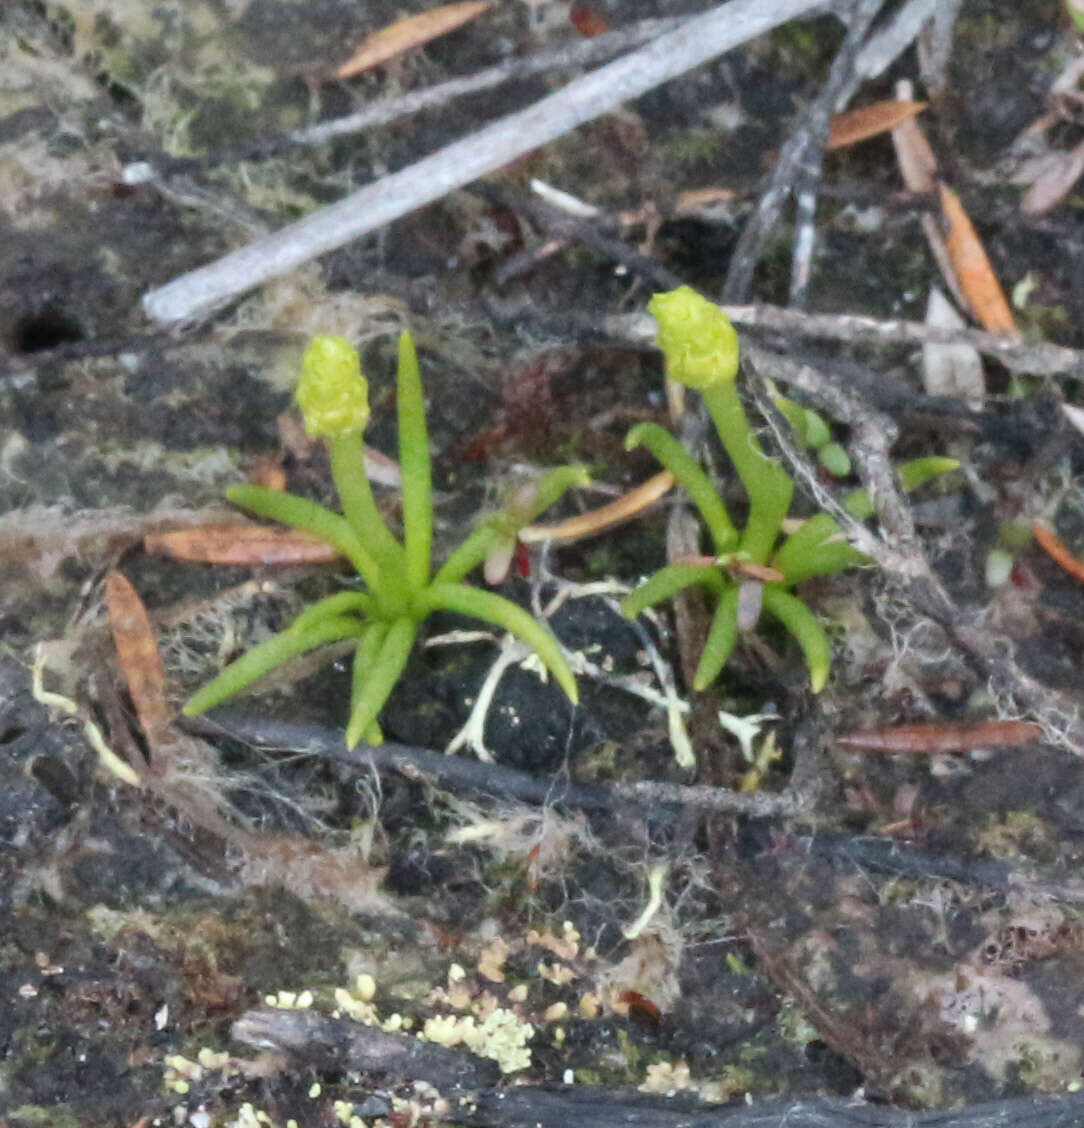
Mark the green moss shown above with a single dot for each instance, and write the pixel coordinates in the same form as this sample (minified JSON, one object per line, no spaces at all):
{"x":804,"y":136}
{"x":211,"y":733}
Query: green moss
{"x":1018,"y":836}
{"x":52,"y":1117}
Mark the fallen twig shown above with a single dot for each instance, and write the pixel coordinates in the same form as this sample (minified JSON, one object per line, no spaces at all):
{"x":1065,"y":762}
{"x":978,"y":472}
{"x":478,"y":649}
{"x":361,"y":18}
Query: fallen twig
{"x":1035,"y":359}
{"x":817,"y":125}
{"x":798,"y":168}
{"x":313,"y":1038}
{"x":342,"y":1041}
{"x":494,"y":779}
{"x":197,"y":293}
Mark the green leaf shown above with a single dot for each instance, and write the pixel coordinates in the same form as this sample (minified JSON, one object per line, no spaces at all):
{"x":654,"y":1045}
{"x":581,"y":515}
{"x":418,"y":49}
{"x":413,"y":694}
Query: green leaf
{"x":691,"y":477}
{"x":667,"y":582}
{"x":816,"y":430}
{"x":834,"y":459}
{"x":415,"y":465}
{"x":469,"y":554}
{"x":805,"y":627}
{"x":721,"y":638}
{"x":341,"y":603}
{"x":522,"y":510}
{"x":274,"y":652}
{"x":300,"y":513}
{"x":389,"y":661}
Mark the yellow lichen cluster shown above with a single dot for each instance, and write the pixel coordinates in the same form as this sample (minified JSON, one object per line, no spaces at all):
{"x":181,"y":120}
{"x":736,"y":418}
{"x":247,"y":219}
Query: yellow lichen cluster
{"x":289,"y":1000}
{"x":476,"y":1009}
{"x":669,"y":1078}
{"x":501,"y":1036}
{"x":181,"y":1072}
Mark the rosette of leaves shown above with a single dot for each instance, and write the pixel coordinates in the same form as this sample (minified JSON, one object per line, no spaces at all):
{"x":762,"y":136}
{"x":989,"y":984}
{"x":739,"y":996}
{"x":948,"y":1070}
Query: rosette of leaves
{"x":399,"y":591}
{"x":700,"y":348}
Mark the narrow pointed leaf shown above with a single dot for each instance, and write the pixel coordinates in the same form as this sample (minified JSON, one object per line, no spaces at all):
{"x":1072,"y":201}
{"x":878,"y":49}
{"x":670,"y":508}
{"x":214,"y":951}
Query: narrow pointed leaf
{"x":364,"y":659}
{"x":387,"y":668}
{"x":691,"y":477}
{"x":415,"y":466}
{"x":806,"y":628}
{"x":312,"y":518}
{"x":265,"y":657}
{"x":721,"y":638}
{"x":669,"y":581}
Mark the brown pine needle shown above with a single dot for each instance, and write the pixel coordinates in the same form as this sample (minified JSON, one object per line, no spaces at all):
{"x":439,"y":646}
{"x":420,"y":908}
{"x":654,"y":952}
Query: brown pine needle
{"x":1058,"y":551}
{"x":606,"y":517}
{"x":869,"y":121}
{"x":940,"y":737}
{"x":414,"y":31}
{"x":239,"y":543}
{"x":973,"y":269}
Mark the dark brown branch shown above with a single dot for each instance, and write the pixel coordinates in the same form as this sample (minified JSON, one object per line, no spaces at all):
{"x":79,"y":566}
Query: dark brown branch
{"x":314,"y":1039}
{"x":343,"y":1043}
{"x":494,"y":779}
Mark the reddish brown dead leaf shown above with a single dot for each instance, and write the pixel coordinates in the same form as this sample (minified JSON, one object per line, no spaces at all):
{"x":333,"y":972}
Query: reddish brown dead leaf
{"x":1058,"y":551}
{"x":937,"y":737}
{"x":414,"y":31}
{"x":696,"y":201}
{"x":138,"y":655}
{"x":739,"y":569}
{"x":241,"y":544}
{"x":587,"y":21}
{"x":973,"y":269}
{"x":869,"y":121}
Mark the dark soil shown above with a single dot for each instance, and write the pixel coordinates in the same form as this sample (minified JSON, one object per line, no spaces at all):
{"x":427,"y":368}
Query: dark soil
{"x":915,"y":935}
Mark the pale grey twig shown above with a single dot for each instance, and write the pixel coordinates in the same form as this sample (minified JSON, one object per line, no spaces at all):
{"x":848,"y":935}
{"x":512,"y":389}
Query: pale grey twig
{"x":197,"y":293}
{"x":1040,"y":359}
{"x":818,"y":120}
{"x":798,"y":170}
{"x":935,"y":44}
{"x":798,"y":166}
{"x":884,"y":48}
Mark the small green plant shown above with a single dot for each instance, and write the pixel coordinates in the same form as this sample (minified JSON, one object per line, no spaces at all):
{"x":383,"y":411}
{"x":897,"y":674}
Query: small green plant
{"x":700,"y":348}
{"x":810,"y":430}
{"x":400,"y":594}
